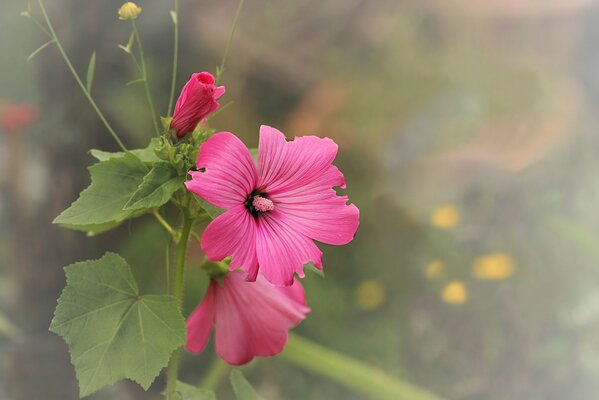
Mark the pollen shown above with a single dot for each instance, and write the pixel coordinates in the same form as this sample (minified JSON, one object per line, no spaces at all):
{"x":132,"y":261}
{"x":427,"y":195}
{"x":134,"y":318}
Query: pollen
{"x":263,"y":204}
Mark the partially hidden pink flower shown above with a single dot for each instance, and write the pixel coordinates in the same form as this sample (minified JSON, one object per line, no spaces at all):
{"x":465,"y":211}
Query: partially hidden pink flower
{"x":15,"y":118}
{"x":276,"y":210}
{"x":197,"y":100}
{"x":250,"y":318}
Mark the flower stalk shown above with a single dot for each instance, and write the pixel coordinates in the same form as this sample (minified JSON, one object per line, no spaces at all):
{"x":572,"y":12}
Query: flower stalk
{"x":144,"y":73}
{"x":175,"y":58}
{"x":177,"y":292}
{"x":77,"y":78}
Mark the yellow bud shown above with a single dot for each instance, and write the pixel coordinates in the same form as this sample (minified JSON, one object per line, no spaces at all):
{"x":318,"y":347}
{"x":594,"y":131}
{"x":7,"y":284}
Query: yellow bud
{"x":370,"y":295}
{"x":454,"y":293}
{"x":494,"y":266}
{"x":129,"y":11}
{"x":445,"y":217}
{"x":434,"y":269}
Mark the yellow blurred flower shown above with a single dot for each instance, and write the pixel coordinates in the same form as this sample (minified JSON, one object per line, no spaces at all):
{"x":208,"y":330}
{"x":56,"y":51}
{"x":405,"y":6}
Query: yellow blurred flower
{"x":494,"y":266}
{"x":129,"y":11}
{"x":370,"y":295}
{"x":454,"y":292}
{"x":434,"y":269}
{"x":445,"y":216}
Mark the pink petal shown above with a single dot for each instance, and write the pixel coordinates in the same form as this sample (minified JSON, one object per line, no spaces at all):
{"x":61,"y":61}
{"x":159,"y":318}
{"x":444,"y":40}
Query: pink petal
{"x":230,"y":174}
{"x":286,"y":165}
{"x":233,"y":234}
{"x":252,"y":318}
{"x":199,"y":324}
{"x":281,"y":250}
{"x":316,"y":211}
{"x":218,"y":92}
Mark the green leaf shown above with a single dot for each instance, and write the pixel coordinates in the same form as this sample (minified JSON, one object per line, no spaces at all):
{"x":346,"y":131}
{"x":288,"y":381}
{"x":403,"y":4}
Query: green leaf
{"x":212,"y":211}
{"x":91,"y":71}
{"x":146,"y":155}
{"x":113,"y":182}
{"x":189,"y":392}
{"x":127,"y":49}
{"x":242,"y":388}
{"x":173,"y":16}
{"x":156,"y":188}
{"x":112,"y":331}
{"x":42,"y":47}
{"x":93,"y":230}
{"x":8,"y":329}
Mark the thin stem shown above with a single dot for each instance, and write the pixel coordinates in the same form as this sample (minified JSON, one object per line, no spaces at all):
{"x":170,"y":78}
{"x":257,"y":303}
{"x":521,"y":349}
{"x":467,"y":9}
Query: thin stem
{"x":177,"y":292}
{"x":221,"y":69}
{"x":372,"y":382}
{"x":215,"y":374}
{"x":165,"y":224}
{"x":144,"y":72}
{"x":175,"y":59}
{"x":81,"y":85}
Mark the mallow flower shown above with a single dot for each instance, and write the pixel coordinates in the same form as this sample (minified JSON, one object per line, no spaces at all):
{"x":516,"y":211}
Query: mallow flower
{"x":275,"y":210}
{"x":197,"y":100}
{"x":250,"y":318}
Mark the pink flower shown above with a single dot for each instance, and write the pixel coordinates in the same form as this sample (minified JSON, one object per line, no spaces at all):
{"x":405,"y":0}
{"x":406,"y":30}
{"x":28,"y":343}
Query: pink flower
{"x":196,"y":101}
{"x":15,"y":118}
{"x":250,"y":318}
{"x":277,"y":210}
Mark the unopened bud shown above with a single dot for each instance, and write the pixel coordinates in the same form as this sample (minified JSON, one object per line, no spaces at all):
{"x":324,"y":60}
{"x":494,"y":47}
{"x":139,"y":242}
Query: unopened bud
{"x":129,"y":11}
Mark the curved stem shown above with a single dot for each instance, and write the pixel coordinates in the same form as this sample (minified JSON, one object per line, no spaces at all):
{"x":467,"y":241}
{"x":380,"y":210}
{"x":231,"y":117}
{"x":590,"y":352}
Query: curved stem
{"x":177,"y":292}
{"x":371,"y":381}
{"x":175,"y":59}
{"x":221,"y":69}
{"x":81,"y":85}
{"x":144,"y":72}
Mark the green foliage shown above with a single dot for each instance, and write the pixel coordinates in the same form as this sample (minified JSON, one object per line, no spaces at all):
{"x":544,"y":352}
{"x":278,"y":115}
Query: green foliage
{"x":112,"y":331}
{"x":211,"y":210}
{"x":189,"y":392}
{"x":113,"y":182}
{"x":146,"y":154}
{"x":156,"y":188}
{"x":242,"y":388}
{"x":91,"y":71}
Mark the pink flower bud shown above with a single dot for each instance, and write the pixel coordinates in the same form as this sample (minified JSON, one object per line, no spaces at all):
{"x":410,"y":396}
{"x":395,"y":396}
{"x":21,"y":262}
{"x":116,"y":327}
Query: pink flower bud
{"x":196,"y":101}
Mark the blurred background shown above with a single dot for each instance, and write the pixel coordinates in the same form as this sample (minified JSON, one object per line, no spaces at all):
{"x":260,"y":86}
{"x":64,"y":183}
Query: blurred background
{"x":468,"y":138}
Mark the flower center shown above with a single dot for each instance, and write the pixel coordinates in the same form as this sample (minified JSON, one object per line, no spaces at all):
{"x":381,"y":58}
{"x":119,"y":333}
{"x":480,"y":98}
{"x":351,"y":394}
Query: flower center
{"x":257,"y":203}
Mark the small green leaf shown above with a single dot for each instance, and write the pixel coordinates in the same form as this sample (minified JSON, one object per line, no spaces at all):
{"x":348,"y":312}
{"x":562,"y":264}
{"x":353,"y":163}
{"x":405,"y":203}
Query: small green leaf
{"x":8,"y":329}
{"x":129,"y":46}
{"x":242,"y":388}
{"x":156,"y":188}
{"x":91,"y":71}
{"x":174,"y":16}
{"x":189,"y":392}
{"x":166,"y":123}
{"x":112,"y":331}
{"x":312,"y":268}
{"x":146,"y":155}
{"x":42,"y":47}
{"x":113,"y":182}
{"x":211,"y":210}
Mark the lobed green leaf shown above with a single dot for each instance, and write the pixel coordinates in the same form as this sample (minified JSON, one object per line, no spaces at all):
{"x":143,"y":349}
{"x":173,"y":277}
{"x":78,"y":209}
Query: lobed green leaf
{"x":112,"y":331}
{"x":189,"y":392}
{"x":156,"y":188}
{"x":113,"y":182}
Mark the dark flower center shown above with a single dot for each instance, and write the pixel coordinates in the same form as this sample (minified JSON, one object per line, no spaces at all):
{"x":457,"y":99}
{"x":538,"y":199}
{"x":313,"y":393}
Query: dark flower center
{"x":258,"y":202}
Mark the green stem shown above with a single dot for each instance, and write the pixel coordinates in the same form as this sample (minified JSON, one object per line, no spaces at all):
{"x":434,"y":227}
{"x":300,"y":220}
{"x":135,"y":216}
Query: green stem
{"x":215,"y":374}
{"x":220,"y":70}
{"x":175,"y":59}
{"x":370,"y":381}
{"x":81,"y":85}
{"x":144,"y":72}
{"x":165,"y":224}
{"x":177,"y":292}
